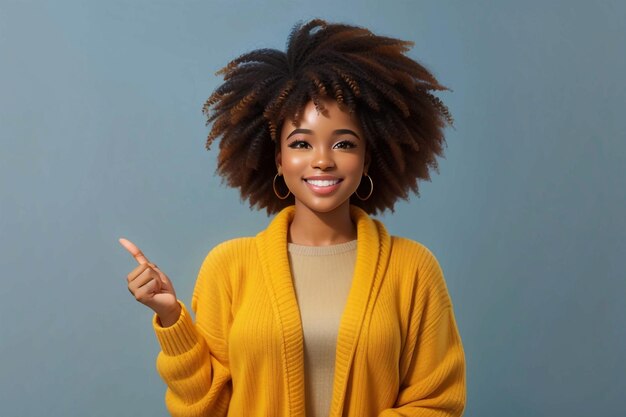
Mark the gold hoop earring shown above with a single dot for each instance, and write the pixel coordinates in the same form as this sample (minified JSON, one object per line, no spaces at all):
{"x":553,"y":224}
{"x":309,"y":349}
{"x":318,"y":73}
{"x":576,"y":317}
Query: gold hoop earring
{"x":276,"y":191}
{"x":371,"y":189}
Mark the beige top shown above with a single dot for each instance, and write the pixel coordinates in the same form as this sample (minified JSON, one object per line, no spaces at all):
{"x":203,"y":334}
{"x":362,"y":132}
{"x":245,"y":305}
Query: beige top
{"x":322,"y":277}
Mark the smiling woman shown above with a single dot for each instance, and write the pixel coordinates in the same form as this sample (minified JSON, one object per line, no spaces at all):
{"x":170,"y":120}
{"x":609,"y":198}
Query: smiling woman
{"x":323,"y":312}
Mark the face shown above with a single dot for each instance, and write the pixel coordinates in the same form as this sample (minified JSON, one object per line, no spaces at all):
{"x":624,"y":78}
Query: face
{"x":322,"y":160}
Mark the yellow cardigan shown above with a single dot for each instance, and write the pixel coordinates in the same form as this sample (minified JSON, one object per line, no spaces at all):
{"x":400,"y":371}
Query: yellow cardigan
{"x":398,"y":349}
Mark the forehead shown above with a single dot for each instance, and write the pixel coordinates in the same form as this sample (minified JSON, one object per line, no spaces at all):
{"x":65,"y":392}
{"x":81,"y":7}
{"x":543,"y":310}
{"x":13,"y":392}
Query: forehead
{"x":334,"y":118}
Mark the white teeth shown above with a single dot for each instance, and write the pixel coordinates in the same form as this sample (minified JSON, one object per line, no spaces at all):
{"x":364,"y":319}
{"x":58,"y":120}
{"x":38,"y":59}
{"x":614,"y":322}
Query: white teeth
{"x":323,"y":183}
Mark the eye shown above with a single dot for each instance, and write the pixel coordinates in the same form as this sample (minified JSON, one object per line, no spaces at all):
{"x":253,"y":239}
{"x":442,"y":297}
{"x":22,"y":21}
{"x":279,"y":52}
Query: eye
{"x":299,"y":144}
{"x":345,"y":144}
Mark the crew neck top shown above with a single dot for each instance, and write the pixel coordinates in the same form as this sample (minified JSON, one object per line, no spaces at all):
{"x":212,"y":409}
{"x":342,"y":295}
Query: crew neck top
{"x":322,"y":277}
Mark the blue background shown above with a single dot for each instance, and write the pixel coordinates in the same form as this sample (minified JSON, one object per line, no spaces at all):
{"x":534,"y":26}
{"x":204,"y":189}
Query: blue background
{"x":102,"y":137}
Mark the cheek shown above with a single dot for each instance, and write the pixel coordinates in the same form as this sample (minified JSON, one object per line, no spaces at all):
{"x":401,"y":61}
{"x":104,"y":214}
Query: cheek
{"x":355,"y":165}
{"x":292,"y":164}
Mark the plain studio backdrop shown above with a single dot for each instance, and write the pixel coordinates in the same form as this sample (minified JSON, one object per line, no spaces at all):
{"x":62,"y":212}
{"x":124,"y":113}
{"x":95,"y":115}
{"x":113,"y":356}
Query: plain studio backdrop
{"x":102,"y":137}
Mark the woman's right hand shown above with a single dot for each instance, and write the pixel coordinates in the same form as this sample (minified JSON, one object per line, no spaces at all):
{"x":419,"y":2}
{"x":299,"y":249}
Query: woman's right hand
{"x":151,"y":287}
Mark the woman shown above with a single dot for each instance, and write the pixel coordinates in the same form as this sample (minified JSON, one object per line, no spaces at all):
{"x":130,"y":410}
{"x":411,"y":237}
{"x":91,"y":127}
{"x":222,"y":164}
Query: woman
{"x":323,"y":312}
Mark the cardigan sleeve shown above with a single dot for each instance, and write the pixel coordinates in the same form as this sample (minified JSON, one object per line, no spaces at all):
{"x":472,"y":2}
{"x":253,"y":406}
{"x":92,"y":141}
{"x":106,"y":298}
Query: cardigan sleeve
{"x":433,"y":383}
{"x":193,"y":361}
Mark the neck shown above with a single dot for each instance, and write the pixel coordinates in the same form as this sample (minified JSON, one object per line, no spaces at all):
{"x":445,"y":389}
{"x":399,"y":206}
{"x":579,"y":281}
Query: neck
{"x":313,"y":228}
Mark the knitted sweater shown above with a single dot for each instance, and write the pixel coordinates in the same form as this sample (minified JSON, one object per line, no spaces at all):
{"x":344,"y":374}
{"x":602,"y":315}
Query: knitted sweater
{"x":399,"y":352}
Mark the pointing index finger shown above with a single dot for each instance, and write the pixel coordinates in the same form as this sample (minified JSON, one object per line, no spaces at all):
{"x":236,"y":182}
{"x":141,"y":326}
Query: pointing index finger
{"x":134,"y":250}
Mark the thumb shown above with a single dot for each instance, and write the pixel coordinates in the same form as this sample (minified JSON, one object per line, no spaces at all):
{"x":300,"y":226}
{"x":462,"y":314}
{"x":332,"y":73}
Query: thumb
{"x":134,"y":250}
{"x":163,"y":277}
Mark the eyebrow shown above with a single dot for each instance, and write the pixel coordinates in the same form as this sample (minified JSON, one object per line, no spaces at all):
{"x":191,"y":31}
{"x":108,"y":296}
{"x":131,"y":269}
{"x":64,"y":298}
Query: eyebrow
{"x":335,"y":132}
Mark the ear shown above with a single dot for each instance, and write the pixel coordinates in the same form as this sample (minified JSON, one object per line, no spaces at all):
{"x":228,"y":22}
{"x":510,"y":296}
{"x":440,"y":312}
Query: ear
{"x":278,"y":160}
{"x":366,"y":165}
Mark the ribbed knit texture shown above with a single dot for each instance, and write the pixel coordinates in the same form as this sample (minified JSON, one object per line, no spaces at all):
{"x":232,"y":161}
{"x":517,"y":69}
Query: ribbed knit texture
{"x":322,"y":276}
{"x":398,"y":348}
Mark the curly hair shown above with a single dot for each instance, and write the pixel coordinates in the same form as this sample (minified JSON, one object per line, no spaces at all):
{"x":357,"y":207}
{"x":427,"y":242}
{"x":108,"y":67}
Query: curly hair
{"x":366,"y":74}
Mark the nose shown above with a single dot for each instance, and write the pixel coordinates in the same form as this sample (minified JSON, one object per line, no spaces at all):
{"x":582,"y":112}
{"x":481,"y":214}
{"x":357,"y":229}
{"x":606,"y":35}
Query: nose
{"x":322,"y":160}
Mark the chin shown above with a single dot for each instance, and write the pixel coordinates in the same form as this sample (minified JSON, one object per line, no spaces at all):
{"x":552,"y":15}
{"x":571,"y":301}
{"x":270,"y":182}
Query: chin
{"x":324,"y":206}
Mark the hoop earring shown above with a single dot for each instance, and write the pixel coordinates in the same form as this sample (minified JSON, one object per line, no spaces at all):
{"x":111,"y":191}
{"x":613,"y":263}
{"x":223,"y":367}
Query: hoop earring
{"x":276,"y":191}
{"x":371,"y":189}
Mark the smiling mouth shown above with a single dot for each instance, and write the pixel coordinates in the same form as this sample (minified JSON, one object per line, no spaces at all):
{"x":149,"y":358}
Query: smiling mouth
{"x":323,"y":183}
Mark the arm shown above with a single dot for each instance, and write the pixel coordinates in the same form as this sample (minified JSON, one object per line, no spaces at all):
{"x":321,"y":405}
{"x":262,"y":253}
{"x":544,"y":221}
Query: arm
{"x":194,"y":357}
{"x":434,"y":382}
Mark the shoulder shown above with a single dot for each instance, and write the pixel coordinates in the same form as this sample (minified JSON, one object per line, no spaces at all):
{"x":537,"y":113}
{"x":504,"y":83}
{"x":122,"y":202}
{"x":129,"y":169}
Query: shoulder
{"x":222,"y":263}
{"x":411,"y":251}
{"x":232,"y":246}
{"x":229,"y":252}
{"x":414,"y":259}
